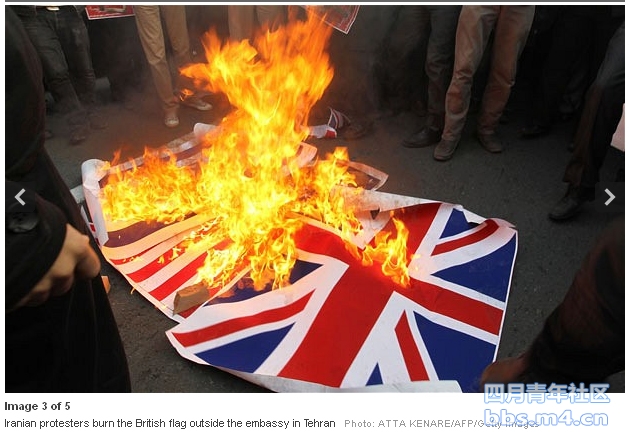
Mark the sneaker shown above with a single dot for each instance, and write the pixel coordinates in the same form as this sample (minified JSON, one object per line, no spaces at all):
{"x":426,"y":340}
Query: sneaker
{"x":445,"y":149}
{"x":196,"y":103}
{"x":490,"y":142}
{"x":171,"y":120}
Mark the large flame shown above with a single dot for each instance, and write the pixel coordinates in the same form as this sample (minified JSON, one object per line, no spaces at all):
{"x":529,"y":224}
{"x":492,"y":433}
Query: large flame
{"x":248,"y":183}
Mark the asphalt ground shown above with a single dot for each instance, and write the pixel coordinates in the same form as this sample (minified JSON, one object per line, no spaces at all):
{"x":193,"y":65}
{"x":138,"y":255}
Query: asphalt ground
{"x":519,"y":185}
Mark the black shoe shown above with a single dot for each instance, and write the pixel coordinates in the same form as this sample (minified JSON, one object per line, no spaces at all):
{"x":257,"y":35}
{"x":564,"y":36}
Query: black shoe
{"x":532,"y":131}
{"x":445,"y":150}
{"x":423,"y":138}
{"x":569,"y":206}
{"x":490,"y":142}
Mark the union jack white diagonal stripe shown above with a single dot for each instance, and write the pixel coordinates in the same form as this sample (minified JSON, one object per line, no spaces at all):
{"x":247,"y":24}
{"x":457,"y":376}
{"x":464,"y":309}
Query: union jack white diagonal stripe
{"x":341,"y":324}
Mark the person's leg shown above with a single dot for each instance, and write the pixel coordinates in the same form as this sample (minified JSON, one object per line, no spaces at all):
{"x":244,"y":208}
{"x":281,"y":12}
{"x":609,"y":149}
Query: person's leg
{"x":76,"y":47}
{"x":271,"y":16}
{"x":439,"y":60}
{"x":117,"y":52}
{"x":41,"y":29}
{"x":473,"y":30}
{"x":241,"y":22}
{"x":601,"y":113}
{"x":439,"y":24}
{"x":511,"y":31}
{"x":412,"y":37}
{"x":402,"y":41}
{"x":570,"y":37}
{"x":474,"y":27}
{"x":149,"y":26}
{"x":177,"y":29}
{"x":176,"y":26}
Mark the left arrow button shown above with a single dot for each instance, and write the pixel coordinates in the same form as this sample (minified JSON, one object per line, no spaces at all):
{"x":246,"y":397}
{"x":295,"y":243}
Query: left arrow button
{"x":19,"y":197}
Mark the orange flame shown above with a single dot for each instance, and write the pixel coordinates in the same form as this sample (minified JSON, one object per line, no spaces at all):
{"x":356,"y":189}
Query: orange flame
{"x":248,"y":184}
{"x":391,"y":253}
{"x":158,"y":190}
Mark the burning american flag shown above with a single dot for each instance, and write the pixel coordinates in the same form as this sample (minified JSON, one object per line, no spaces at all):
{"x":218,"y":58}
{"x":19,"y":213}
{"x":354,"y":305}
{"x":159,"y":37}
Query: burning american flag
{"x":298,"y":268}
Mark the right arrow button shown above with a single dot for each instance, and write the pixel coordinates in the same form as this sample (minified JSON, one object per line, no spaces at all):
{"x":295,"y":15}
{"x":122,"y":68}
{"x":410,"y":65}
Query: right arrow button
{"x":611,"y":197}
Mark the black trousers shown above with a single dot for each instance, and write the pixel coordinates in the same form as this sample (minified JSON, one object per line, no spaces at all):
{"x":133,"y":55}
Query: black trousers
{"x":70,"y":343}
{"x":601,"y":113}
{"x":579,"y":39}
{"x":62,"y":43}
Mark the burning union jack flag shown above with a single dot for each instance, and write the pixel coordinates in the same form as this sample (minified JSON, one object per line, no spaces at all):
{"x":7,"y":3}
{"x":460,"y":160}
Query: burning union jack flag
{"x":343,"y":325}
{"x":338,"y":323}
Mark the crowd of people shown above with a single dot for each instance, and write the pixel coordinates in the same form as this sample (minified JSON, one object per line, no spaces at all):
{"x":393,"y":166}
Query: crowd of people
{"x":61,"y":306}
{"x":570,"y":56}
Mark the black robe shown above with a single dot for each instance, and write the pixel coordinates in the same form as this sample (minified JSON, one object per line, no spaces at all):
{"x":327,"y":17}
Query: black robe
{"x":70,"y":343}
